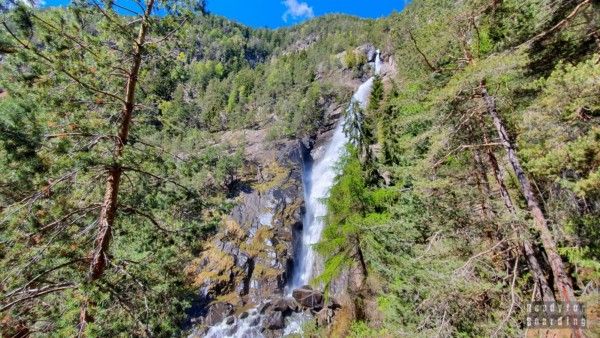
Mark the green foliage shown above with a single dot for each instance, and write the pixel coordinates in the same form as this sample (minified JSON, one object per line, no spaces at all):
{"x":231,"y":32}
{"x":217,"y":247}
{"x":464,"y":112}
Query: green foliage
{"x":57,"y":140}
{"x":408,"y":198}
{"x":346,"y":209}
{"x":419,"y":227}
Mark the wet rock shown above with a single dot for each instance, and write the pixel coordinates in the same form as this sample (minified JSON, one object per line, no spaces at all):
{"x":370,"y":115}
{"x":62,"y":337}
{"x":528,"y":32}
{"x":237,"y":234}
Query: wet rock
{"x":369,"y":50}
{"x":255,"y":321}
{"x":274,"y":334}
{"x":264,"y":307}
{"x":230,"y":320}
{"x":244,"y":315}
{"x":293,"y":305}
{"x":308,"y":298}
{"x":274,"y":321}
{"x":285,"y":305}
{"x":260,"y":232}
{"x":280,"y":305}
{"x":217,"y":312}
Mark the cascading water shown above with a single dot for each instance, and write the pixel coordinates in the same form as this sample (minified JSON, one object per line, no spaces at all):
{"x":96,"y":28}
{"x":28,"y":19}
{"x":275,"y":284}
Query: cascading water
{"x":377,"y":62}
{"x":317,"y":183}
{"x":318,"y":179}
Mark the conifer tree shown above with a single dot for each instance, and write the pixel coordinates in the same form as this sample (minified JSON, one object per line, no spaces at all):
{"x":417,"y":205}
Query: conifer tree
{"x":90,"y":171}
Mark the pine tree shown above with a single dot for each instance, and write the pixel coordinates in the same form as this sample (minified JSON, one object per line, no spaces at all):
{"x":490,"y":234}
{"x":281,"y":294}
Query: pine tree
{"x":97,"y":190}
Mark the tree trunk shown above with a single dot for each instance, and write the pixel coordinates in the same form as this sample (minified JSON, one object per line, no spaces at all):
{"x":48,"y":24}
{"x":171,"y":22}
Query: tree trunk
{"x":83,"y":319}
{"x":562,"y":281}
{"x":109,"y":206}
{"x":545,"y":290}
{"x":532,"y":261}
{"x":483,"y":186}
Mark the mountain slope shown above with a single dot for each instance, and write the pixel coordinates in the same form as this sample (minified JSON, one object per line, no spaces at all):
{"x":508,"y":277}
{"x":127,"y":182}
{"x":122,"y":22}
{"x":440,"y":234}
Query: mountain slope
{"x":471,"y":189}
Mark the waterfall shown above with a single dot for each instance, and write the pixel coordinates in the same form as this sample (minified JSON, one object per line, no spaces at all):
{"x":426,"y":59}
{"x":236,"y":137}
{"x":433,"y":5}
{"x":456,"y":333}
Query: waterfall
{"x":377,"y":62}
{"x":318,"y":178}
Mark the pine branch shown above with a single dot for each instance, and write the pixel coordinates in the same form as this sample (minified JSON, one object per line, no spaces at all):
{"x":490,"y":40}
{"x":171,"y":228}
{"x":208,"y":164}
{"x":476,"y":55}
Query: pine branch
{"x":149,"y":217}
{"x":20,"y":289}
{"x":164,"y":179}
{"x":470,"y":260}
{"x":168,"y":36}
{"x":39,"y":292}
{"x":60,"y":69}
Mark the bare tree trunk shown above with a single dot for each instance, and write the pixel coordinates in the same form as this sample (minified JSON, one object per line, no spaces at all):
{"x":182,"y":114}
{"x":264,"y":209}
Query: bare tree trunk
{"x":562,"y":281}
{"x":538,"y":274}
{"x":109,"y":206}
{"x":83,"y":319}
{"x":532,"y":261}
{"x":361,"y":272}
{"x":484,"y":187}
{"x":107,"y":218}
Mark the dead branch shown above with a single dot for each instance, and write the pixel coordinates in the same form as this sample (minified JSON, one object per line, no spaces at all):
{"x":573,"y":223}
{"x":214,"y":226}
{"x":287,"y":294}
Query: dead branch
{"x":128,"y":309}
{"x":560,"y":24}
{"x":85,"y":210}
{"x":463,"y":147}
{"x":470,"y":260}
{"x":68,"y":36}
{"x":168,"y":35}
{"x":414,"y":41}
{"x":512,"y":296}
{"x":20,"y":289}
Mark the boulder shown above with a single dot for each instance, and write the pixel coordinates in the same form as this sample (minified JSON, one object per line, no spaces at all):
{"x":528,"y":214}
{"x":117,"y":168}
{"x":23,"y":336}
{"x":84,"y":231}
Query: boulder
{"x":308,"y":298}
{"x":368,"y":50}
{"x":217,"y":312}
{"x":244,"y":315}
{"x":285,"y":305}
{"x":274,"y":321}
{"x":230,"y":320}
{"x":293,"y":305}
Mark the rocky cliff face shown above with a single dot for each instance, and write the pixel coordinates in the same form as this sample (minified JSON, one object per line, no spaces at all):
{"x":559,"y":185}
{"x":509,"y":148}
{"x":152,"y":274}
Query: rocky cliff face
{"x":249,"y":258}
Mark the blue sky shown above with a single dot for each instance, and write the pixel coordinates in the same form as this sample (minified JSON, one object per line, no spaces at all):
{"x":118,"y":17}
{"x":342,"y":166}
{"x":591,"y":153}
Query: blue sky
{"x":280,"y":13}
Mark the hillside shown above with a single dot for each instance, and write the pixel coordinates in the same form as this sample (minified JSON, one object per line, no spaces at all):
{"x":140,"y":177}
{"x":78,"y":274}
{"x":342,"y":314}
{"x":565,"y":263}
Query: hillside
{"x":157,"y":171}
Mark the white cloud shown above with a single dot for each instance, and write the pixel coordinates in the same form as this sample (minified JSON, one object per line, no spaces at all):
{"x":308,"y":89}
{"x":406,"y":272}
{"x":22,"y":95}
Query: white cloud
{"x":297,"y":10}
{"x":29,"y":3}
